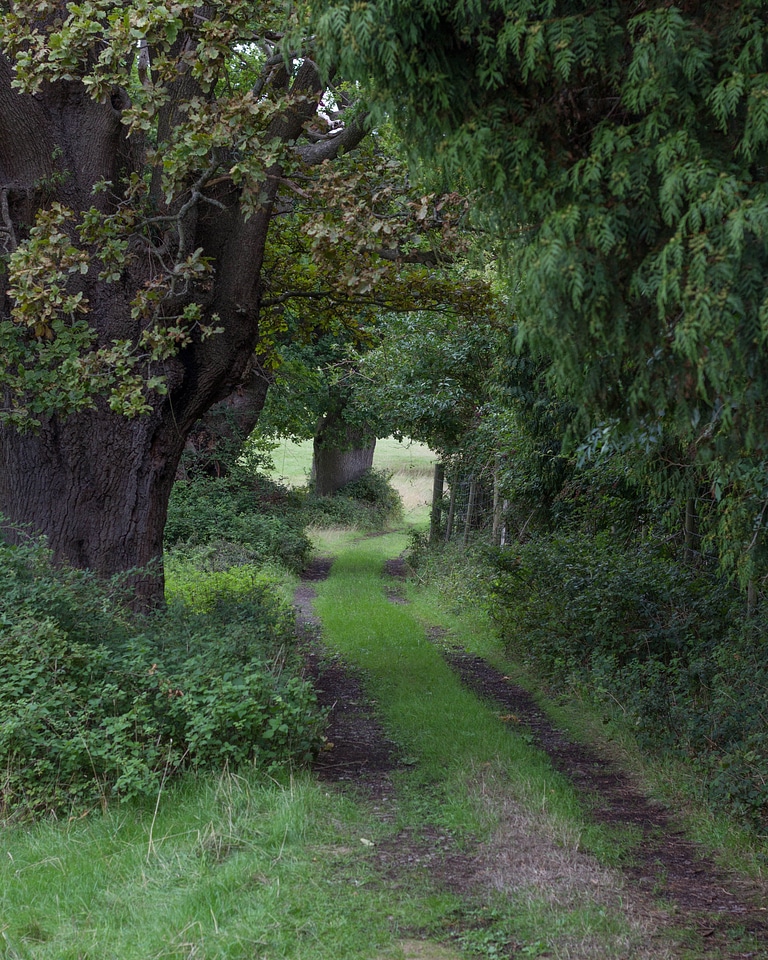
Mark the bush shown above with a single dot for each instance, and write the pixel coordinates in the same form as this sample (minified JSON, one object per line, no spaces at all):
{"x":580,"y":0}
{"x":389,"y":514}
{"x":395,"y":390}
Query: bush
{"x":671,"y":646}
{"x":370,"y":503}
{"x":249,"y":519}
{"x":460,"y":573}
{"x":95,"y":705}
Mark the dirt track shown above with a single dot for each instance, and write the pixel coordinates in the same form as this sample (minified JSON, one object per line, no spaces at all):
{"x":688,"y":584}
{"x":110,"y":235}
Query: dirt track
{"x":669,"y":876}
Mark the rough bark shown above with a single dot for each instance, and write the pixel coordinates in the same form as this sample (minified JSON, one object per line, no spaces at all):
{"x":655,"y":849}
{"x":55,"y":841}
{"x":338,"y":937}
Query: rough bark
{"x":220,"y":434}
{"x":341,"y":455}
{"x":97,"y":486}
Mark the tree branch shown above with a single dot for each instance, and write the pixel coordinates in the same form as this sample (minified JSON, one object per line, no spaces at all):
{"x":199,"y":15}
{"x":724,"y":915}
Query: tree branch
{"x":429,"y":258}
{"x":7,"y":233}
{"x":334,"y":142}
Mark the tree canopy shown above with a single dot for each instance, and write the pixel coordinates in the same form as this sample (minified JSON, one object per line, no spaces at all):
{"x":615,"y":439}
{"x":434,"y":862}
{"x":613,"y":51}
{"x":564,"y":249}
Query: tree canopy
{"x":175,"y":181}
{"x":620,"y":152}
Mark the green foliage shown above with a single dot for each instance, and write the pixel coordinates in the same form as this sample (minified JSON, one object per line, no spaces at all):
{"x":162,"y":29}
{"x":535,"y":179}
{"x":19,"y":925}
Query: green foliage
{"x":226,"y":139}
{"x":429,"y":375}
{"x":370,"y":502}
{"x":374,"y":487}
{"x":95,"y":706}
{"x":667,"y":648}
{"x":459,"y":573}
{"x":236,"y":519}
{"x":619,"y":152}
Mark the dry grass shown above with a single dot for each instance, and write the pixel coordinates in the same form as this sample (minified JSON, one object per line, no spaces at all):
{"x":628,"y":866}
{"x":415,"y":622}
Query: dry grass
{"x":411,"y":465}
{"x":538,"y":865}
{"x":415,"y":488}
{"x":426,"y":950}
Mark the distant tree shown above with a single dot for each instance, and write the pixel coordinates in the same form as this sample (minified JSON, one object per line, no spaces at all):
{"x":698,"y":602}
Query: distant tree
{"x":310,"y":400}
{"x":620,"y":149}
{"x":429,"y":376}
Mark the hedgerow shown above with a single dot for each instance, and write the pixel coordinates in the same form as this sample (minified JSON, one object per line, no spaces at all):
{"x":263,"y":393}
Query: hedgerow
{"x":370,"y":503}
{"x":668,"y":647}
{"x":241,"y":518}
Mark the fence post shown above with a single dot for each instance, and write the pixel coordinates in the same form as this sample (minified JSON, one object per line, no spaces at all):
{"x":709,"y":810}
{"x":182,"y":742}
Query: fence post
{"x":452,"y":504}
{"x":470,"y":509}
{"x":496,"y":532}
{"x":437,"y":502}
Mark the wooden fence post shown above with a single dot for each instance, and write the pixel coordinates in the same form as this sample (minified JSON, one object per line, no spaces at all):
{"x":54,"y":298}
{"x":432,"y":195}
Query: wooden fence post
{"x":437,"y":502}
{"x":470,"y":509}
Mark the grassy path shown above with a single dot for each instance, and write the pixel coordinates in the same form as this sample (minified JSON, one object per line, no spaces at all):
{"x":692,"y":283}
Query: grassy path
{"x":247,"y":867}
{"x":471,"y":776}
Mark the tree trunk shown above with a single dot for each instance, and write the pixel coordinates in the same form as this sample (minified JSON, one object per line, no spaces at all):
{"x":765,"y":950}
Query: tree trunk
{"x":498,"y":511}
{"x":452,"y":505}
{"x":691,"y":532}
{"x":217,"y":438}
{"x":333,"y":467}
{"x":95,"y":483}
{"x":97,"y":486}
{"x":470,"y":510}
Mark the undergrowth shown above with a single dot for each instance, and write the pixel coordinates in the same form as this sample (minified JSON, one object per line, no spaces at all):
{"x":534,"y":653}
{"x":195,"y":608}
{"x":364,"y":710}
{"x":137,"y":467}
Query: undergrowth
{"x":97,"y":704}
{"x":241,"y":518}
{"x":663,"y":646}
{"x":664,"y":650}
{"x":370,"y":503}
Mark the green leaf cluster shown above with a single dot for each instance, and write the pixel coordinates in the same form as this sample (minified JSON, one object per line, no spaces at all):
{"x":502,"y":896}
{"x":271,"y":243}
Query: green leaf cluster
{"x":218,"y":520}
{"x":619,"y":152}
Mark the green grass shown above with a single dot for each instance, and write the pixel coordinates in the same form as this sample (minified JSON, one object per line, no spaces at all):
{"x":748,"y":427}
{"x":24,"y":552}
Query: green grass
{"x":411,"y":465}
{"x":460,"y":753}
{"x":293,"y":460}
{"x":235,"y":868}
{"x":432,"y":715}
{"x":248,"y":867}
{"x":468,"y":626}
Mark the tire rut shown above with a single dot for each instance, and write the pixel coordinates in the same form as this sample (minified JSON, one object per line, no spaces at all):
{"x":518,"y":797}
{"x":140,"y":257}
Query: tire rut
{"x":727,"y":913}
{"x":360,"y":757}
{"x":665,"y":865}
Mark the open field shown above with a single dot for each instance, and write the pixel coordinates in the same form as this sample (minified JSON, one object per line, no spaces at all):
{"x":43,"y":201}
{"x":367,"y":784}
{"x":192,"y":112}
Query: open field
{"x":410,"y":463}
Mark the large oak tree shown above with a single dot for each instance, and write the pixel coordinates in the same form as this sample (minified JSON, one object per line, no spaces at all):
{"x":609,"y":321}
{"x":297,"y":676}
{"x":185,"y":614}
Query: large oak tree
{"x":148,"y":153}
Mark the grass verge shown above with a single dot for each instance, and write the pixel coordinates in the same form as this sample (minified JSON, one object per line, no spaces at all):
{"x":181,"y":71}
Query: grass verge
{"x":233,"y":867}
{"x":467,"y":626}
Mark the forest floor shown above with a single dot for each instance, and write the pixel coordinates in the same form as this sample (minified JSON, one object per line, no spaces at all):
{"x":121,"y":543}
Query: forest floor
{"x":684,"y":903}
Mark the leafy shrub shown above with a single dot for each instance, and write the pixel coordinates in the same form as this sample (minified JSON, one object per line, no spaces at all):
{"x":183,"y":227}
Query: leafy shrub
{"x":96,"y":705}
{"x":245,"y":517}
{"x":461,"y":573}
{"x":217,"y":574}
{"x":374,"y":487}
{"x":671,"y":646}
{"x":370,"y":503}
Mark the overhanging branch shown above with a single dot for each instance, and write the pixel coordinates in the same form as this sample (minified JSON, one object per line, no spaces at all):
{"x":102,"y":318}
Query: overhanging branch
{"x":334,"y":142}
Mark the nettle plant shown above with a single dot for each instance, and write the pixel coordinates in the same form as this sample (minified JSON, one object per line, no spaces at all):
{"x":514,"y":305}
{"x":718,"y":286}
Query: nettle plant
{"x":180,"y":191}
